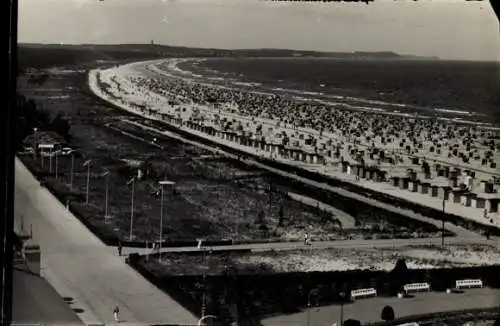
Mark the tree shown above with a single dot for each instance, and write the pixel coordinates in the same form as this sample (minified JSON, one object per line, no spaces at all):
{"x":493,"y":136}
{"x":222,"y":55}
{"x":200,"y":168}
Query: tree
{"x":60,"y":125}
{"x":399,"y":275}
{"x":352,"y":322}
{"x":281,"y":216}
{"x":148,"y":169}
{"x":31,"y":115}
{"x":496,"y":9}
{"x":387,"y":314}
{"x":21,"y":100}
{"x":260,"y":218}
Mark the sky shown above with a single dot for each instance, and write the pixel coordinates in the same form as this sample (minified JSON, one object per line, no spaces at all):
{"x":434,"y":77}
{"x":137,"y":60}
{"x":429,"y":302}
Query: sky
{"x":449,"y":29}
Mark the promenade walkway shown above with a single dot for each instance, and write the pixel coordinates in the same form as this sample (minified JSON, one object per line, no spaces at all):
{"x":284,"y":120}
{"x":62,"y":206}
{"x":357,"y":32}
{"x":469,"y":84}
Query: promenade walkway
{"x":78,"y":265}
{"x":344,"y":244}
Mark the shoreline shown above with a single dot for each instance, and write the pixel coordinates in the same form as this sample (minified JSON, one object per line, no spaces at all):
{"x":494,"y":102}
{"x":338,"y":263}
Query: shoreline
{"x":349,"y":103}
{"x":235,"y":148}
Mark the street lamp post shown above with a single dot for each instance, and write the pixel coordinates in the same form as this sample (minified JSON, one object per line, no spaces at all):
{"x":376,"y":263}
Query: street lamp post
{"x":106,"y":175}
{"x":34,"y":142}
{"x":50,"y":160}
{"x":203,"y":299}
{"x":87,"y":163}
{"x":442,"y":227}
{"x":162,"y":183}
{"x":313,"y":291}
{"x":42,"y":161}
{"x":72,"y":168}
{"x":55,"y":153}
{"x":342,"y":298}
{"x":132,"y":182}
{"x":161,"y":218}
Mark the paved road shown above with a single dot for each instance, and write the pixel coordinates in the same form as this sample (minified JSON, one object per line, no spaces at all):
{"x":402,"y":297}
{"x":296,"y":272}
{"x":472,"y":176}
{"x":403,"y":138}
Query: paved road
{"x":35,"y":301}
{"x":368,"y":310}
{"x":79,"y":265}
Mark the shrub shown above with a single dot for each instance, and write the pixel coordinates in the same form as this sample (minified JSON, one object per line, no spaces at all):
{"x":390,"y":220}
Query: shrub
{"x":353,"y":322}
{"x":387,"y":314}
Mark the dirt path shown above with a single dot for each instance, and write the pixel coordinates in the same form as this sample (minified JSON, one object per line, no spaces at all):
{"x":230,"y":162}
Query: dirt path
{"x":345,"y":219}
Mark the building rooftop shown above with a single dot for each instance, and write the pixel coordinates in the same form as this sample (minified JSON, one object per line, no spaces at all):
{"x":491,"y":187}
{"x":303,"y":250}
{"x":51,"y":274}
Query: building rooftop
{"x":45,"y":137}
{"x":35,"y":301}
{"x":488,"y":196}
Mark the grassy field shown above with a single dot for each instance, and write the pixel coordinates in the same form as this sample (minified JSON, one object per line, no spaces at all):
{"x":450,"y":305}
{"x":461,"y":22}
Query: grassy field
{"x":325,"y":260}
{"x":214,"y":198}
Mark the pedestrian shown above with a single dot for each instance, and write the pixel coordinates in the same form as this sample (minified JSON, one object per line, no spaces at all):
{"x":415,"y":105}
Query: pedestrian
{"x":120,"y":247}
{"x":306,"y":238}
{"x":116,"y":313}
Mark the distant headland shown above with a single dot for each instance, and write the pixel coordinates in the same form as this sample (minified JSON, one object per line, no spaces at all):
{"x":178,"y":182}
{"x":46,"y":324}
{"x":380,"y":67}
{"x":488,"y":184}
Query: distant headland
{"x":178,"y":51}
